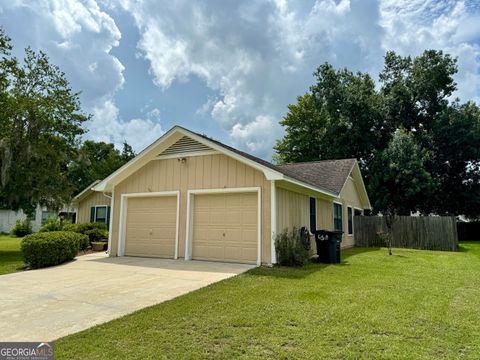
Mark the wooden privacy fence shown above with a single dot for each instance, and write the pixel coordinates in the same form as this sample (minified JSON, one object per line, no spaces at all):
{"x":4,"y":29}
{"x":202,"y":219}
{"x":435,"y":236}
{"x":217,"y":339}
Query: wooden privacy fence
{"x":414,"y":232}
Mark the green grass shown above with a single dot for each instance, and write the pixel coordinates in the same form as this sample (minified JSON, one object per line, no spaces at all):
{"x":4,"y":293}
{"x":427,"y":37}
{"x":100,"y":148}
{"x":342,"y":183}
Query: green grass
{"x":412,"y":305}
{"x":10,"y":256}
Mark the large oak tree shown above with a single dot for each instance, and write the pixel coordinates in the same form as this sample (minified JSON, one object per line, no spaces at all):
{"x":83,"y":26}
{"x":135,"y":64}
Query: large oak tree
{"x":346,"y":115}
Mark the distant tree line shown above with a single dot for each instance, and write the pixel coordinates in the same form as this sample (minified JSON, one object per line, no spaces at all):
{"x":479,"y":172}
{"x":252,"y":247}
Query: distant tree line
{"x":418,"y":148}
{"x":42,"y":158}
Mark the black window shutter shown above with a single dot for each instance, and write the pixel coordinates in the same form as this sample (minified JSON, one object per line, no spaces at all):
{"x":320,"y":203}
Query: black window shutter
{"x":108,"y":216}
{"x":92,"y":214}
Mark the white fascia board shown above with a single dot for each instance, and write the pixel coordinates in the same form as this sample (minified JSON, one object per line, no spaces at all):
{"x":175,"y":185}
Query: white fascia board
{"x":106,"y":184}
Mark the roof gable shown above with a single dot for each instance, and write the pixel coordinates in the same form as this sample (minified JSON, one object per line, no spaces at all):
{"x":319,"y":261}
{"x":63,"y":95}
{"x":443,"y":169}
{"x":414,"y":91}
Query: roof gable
{"x":179,"y":141}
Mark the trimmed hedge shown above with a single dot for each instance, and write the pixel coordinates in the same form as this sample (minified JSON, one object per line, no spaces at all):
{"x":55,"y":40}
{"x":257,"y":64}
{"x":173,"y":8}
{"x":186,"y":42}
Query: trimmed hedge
{"x":94,"y":231}
{"x":51,"y":248}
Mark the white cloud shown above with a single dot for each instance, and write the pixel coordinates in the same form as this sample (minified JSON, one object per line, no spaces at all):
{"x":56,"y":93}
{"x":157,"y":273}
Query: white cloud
{"x":451,"y":26}
{"x":253,"y":135}
{"x":78,"y":36}
{"x":258,"y":56}
{"x":139,"y":132}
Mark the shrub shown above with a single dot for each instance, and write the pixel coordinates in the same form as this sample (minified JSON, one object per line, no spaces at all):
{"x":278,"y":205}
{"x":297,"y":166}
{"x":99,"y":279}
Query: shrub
{"x":22,"y":228}
{"x":96,"y":234}
{"x":52,"y":224}
{"x":50,"y":248}
{"x":94,"y":231}
{"x":291,"y":250}
{"x":82,"y":228}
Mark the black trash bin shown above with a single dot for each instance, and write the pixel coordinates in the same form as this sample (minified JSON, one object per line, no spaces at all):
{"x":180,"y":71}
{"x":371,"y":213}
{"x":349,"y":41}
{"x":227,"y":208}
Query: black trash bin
{"x":328,"y":246}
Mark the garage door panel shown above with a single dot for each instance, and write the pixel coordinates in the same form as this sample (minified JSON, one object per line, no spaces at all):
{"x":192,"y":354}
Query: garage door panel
{"x":151,"y":226}
{"x":243,"y":254}
{"x":225,"y":227}
{"x":149,"y":249}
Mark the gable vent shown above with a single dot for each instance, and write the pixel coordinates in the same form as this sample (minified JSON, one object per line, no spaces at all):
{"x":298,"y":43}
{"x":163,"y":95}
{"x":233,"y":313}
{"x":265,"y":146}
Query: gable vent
{"x":185,"y":145}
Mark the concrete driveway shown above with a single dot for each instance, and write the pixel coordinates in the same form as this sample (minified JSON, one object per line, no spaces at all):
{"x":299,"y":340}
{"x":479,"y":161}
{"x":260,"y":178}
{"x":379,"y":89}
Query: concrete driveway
{"x":45,"y":304}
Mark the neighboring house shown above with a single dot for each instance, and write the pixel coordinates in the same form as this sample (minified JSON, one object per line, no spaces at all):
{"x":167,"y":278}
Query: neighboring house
{"x":188,"y":196}
{"x":8,"y":218}
{"x":92,"y":206}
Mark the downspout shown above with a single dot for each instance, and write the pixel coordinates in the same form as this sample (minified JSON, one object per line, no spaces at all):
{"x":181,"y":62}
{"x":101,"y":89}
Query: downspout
{"x":273,"y":220}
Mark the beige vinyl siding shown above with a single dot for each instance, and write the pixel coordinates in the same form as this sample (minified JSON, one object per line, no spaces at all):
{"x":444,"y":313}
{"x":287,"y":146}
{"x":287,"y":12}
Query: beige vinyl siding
{"x":349,"y":197}
{"x":198,"y":172}
{"x":94,"y":199}
{"x":292,"y":210}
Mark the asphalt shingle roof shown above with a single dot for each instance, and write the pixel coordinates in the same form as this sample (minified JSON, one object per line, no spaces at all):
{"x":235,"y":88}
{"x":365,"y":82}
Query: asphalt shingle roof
{"x":329,"y":175}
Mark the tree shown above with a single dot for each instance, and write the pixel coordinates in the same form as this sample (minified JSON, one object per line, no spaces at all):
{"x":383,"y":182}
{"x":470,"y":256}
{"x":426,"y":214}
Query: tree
{"x":340,"y":118}
{"x":40,"y":123}
{"x":345,"y":115}
{"x":399,"y":178}
{"x":95,"y":161}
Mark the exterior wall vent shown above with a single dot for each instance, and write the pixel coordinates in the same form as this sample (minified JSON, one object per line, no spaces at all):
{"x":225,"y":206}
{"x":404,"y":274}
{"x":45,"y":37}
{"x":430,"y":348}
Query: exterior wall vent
{"x":185,"y":145}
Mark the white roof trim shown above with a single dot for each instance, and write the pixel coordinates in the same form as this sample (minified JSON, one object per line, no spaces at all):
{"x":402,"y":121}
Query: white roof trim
{"x":270,"y":174}
{"x":84,"y":191}
{"x":108,"y":182}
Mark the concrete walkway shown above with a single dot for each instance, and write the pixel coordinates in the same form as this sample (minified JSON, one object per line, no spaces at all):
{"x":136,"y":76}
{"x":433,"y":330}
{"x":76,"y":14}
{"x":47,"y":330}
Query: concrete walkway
{"x":45,"y":304}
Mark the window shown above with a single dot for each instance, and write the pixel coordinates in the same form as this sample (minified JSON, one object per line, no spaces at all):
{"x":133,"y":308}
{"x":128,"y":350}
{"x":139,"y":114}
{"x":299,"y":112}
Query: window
{"x":313,"y":214}
{"x":100,"y":214}
{"x":48,"y":214}
{"x":337,"y":217}
{"x":350,"y":220}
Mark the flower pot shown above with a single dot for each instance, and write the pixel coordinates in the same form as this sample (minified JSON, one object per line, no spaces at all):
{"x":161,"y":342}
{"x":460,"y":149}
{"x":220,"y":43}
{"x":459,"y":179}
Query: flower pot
{"x":99,"y":246}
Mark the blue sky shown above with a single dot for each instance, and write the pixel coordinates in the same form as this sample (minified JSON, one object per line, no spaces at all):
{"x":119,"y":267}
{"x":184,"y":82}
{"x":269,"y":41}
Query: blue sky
{"x":227,"y":68}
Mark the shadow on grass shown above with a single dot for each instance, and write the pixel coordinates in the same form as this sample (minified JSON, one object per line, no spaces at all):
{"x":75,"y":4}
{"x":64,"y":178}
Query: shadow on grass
{"x":311,"y":267}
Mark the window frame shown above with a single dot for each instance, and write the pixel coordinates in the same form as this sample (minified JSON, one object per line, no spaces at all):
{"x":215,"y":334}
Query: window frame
{"x":106,"y":213}
{"x":334,"y":217}
{"x":49,"y":213}
{"x":349,"y":220}
{"x":313,"y":228}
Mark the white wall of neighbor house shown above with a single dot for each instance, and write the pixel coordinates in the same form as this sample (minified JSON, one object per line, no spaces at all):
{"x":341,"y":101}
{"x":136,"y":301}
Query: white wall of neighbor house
{"x":8,"y":218}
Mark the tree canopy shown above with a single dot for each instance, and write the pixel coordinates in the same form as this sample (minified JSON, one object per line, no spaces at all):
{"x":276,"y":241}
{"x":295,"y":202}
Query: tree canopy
{"x":346,"y":114}
{"x":42,"y":158}
{"x":40,"y":122}
{"x":95,"y":161}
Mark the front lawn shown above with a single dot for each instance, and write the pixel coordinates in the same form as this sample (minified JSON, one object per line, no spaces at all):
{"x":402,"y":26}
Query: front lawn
{"x":10,"y":256}
{"x":414,"y":304}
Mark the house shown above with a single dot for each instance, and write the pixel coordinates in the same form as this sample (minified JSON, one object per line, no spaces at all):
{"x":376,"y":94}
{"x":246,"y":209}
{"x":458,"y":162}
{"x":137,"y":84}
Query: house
{"x":8,"y":218}
{"x":92,"y":206}
{"x":188,"y":196}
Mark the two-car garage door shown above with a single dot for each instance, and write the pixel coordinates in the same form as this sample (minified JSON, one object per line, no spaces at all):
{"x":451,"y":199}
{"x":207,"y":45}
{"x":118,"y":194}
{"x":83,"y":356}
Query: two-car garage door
{"x":223,"y":227}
